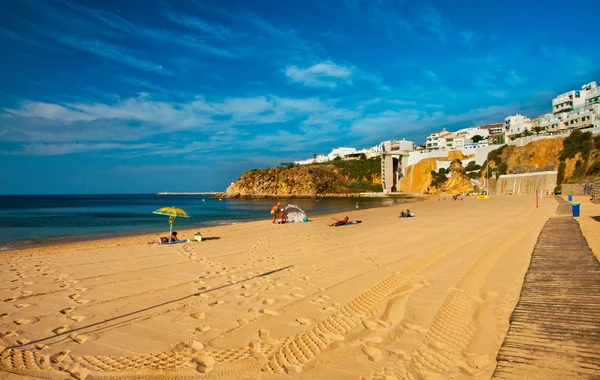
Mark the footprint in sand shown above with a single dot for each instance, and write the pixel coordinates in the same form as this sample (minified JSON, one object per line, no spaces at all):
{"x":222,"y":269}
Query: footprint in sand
{"x":82,"y":302}
{"x":61,"y":329}
{"x":203,"y":329}
{"x":23,"y":341}
{"x":219,"y":302}
{"x":8,"y":334}
{"x":268,"y":312}
{"x":78,"y":338}
{"x":21,"y":322}
{"x":77,"y":318}
{"x":22,"y":305}
{"x":199,"y":315}
{"x":303,"y":321}
{"x":372,"y":353}
{"x":67,"y":310}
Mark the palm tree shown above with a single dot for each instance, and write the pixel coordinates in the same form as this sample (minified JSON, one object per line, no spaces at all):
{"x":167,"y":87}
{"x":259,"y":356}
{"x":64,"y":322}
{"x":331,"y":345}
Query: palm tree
{"x":537,"y":129}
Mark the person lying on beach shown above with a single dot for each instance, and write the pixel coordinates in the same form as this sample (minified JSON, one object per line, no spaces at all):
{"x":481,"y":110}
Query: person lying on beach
{"x":164,"y":239}
{"x":342,"y":222}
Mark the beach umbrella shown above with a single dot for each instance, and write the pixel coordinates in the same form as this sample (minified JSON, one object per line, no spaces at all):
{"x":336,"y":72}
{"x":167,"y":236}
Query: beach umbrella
{"x":295,"y":214}
{"x":172,"y":212}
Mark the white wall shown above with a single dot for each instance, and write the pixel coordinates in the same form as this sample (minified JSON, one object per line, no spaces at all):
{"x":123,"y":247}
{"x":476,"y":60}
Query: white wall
{"x":480,"y":153}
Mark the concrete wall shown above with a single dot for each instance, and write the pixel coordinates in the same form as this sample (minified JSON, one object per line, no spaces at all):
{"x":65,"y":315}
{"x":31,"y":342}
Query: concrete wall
{"x":528,"y":183}
{"x":480,"y":152}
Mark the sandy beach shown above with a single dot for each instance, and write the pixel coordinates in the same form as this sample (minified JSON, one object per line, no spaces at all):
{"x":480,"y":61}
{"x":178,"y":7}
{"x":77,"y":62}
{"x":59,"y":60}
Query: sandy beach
{"x":421,"y":298}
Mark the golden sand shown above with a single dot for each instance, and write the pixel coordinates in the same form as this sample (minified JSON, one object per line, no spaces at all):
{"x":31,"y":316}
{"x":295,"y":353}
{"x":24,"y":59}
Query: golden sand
{"x":422,"y":298}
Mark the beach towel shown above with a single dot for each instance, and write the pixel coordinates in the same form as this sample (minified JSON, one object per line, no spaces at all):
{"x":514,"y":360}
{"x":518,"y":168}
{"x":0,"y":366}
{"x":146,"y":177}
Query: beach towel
{"x":176,"y":242}
{"x":351,"y":223}
{"x":172,"y":243}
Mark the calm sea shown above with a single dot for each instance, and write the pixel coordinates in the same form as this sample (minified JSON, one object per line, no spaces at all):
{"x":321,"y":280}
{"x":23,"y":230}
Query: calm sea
{"x":33,"y":220}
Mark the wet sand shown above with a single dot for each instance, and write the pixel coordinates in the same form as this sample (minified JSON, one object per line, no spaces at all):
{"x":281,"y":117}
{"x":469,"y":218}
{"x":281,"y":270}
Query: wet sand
{"x":423,"y":298}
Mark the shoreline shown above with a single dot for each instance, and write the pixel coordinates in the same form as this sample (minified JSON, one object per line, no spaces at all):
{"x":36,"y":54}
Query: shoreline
{"x":66,"y":241}
{"x":320,"y":196}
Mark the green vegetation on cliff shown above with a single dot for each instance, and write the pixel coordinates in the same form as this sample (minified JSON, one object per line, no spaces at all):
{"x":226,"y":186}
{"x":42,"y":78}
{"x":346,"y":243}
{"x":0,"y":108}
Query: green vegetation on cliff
{"x":584,"y":149}
{"x":336,"y":177}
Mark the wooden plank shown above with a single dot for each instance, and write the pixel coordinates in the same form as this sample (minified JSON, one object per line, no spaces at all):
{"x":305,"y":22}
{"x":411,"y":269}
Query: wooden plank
{"x":557,"y":318}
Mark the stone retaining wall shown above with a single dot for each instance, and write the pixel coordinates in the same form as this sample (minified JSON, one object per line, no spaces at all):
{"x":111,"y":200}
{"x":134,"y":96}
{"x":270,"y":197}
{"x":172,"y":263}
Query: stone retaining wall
{"x":596,"y":190}
{"x":573,"y":188}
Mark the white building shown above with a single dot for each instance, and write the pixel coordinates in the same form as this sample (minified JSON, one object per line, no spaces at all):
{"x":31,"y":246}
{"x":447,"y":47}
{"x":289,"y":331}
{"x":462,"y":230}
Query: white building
{"x":593,"y":97}
{"x":517,"y":124}
{"x":394,"y":158}
{"x":436,"y":140}
{"x":572,"y":100}
{"x":391,"y":146}
{"x":469,"y":133}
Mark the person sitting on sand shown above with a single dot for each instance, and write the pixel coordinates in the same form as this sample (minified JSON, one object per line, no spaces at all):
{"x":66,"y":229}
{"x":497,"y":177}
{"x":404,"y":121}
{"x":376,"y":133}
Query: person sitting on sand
{"x":165,"y":240}
{"x":281,"y":218}
{"x":407,"y":214}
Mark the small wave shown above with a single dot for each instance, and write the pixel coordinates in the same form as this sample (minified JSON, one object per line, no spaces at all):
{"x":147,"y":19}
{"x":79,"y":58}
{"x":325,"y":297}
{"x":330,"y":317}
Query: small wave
{"x":222,"y":222}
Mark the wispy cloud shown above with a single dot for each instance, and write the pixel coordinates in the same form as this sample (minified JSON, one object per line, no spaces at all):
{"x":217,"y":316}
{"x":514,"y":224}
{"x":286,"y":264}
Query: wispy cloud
{"x":432,"y":21}
{"x":469,"y":38}
{"x":12,"y":34}
{"x":197,"y":24}
{"x":324,"y":74}
{"x":39,"y":149}
{"x":110,"y":52}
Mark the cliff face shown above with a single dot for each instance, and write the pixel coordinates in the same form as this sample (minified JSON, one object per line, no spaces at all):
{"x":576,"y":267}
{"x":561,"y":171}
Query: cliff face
{"x":535,"y":156}
{"x":339,"y":177}
{"x":417,"y":178}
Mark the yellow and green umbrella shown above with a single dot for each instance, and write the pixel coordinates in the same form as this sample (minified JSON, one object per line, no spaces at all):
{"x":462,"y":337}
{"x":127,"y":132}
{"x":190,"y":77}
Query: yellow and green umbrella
{"x":172,"y":213}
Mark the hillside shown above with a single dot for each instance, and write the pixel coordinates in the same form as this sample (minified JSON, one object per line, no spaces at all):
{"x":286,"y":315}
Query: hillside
{"x":336,"y":177}
{"x":576,"y":158}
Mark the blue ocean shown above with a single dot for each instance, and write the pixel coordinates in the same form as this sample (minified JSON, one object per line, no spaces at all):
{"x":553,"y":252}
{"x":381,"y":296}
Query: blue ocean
{"x":34,"y":220}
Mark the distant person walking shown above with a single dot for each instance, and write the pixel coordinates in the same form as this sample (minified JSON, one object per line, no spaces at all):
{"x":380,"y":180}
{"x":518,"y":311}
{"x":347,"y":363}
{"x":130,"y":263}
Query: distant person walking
{"x":274,"y":211}
{"x":357,"y":205}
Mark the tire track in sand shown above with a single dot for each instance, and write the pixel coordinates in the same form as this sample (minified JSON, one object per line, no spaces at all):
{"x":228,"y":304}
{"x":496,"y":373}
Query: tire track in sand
{"x":439,"y":355}
{"x":289,"y":357}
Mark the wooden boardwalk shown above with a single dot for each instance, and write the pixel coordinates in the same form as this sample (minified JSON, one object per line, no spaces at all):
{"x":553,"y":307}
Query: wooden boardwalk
{"x":555,"y":327}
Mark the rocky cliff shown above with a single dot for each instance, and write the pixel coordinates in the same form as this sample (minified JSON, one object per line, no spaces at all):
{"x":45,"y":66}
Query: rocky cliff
{"x":337,"y":177}
{"x":536,"y":156}
{"x":417,"y":178}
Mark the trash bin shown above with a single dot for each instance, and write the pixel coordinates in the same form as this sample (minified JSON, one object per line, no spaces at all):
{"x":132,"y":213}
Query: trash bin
{"x":575,"y":207}
{"x":570,"y":196}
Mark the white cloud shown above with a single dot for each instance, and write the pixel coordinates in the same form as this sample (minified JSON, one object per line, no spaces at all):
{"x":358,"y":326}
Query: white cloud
{"x":324,"y":74}
{"x":59,"y":149}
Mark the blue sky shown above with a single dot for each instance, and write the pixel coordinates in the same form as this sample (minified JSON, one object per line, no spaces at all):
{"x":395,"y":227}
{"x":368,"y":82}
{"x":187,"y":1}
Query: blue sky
{"x":146,"y":96}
